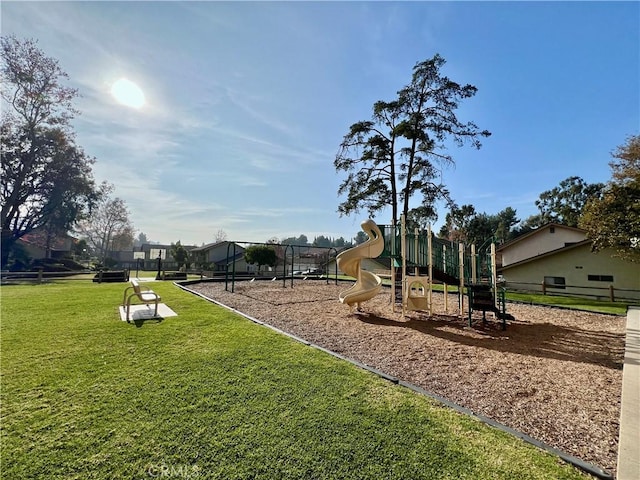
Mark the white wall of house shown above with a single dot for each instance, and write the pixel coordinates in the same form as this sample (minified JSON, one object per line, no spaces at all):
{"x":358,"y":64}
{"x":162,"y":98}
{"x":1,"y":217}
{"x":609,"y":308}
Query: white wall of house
{"x":581,"y":270}
{"x":541,"y":241}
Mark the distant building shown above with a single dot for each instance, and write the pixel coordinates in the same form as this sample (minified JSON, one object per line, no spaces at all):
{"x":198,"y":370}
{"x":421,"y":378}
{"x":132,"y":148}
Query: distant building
{"x":36,"y":244}
{"x":217,"y":256}
{"x":560,"y":258}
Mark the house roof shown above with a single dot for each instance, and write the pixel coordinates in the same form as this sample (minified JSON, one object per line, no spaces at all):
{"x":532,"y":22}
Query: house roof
{"x":209,"y":246}
{"x":38,"y":238}
{"x":149,"y":246}
{"x":532,"y":233}
{"x":550,"y":253}
{"x":231,"y":260}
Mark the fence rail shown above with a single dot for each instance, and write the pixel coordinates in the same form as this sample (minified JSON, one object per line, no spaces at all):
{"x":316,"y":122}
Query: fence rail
{"x":608,"y":293}
{"x":40,"y":276}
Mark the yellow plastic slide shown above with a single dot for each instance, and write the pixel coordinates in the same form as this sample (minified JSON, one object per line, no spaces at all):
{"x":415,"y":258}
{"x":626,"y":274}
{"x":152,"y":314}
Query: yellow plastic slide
{"x":367,"y":284}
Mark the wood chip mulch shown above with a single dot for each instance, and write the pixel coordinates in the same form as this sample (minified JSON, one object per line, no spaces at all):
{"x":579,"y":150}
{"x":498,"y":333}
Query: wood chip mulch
{"x":554,"y":374}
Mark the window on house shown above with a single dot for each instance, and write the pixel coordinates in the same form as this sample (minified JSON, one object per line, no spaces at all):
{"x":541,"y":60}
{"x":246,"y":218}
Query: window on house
{"x":600,"y":278}
{"x":554,"y":282}
{"x":552,"y":229}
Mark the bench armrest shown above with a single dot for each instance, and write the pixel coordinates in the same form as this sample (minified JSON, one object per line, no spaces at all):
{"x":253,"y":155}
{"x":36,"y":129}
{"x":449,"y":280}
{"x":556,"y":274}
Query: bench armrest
{"x":124,"y":297}
{"x":150,"y":297}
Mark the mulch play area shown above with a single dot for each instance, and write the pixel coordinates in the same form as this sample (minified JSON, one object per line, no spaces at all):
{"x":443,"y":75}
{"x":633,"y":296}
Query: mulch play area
{"x":553,"y":374}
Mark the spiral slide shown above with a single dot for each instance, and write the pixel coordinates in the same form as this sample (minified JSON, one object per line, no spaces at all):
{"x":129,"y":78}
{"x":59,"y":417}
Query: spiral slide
{"x":367,"y":283}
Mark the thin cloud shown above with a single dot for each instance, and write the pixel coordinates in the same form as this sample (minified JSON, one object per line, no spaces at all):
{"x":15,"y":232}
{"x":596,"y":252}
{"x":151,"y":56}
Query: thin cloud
{"x":251,"y":104}
{"x":248,"y":102}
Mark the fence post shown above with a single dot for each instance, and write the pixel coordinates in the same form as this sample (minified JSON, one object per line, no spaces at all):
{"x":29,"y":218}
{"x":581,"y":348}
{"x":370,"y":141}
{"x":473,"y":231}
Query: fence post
{"x":611,"y":294}
{"x":40,"y":275}
{"x":544,"y":288}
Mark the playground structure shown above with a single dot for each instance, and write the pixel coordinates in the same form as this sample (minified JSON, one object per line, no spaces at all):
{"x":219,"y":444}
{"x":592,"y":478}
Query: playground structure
{"x":367,"y":284}
{"x":419,"y":260}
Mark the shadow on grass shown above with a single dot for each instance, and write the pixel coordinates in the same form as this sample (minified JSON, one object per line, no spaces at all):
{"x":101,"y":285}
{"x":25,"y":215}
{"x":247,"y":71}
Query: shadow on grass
{"x":139,"y":322}
{"x":544,"y":340}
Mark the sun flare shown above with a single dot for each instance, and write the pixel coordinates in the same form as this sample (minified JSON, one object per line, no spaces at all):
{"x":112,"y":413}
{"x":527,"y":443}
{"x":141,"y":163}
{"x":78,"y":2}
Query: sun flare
{"x":128,"y":93}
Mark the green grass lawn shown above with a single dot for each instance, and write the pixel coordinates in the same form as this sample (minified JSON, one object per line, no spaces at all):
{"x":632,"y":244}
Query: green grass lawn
{"x":209,"y":394}
{"x":617,"y":308}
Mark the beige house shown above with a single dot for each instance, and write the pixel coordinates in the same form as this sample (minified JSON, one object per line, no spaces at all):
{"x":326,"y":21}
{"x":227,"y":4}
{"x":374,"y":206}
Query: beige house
{"x":558,"y":259}
{"x":543,"y":240}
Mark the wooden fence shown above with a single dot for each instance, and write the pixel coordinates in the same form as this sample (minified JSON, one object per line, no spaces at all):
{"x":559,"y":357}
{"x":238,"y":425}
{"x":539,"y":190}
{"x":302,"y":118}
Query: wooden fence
{"x":41,"y":276}
{"x":609,"y":293}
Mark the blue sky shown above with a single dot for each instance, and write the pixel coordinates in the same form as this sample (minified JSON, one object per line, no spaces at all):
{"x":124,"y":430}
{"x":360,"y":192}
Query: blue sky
{"x":247,"y":102}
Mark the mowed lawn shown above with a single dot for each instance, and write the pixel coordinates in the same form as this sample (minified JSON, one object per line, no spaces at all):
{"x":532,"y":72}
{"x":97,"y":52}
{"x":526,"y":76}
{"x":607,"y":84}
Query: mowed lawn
{"x":209,"y":394}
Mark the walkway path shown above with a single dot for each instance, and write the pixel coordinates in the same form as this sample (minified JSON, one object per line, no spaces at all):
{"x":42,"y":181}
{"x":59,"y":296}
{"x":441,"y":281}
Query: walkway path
{"x":629,"y":442}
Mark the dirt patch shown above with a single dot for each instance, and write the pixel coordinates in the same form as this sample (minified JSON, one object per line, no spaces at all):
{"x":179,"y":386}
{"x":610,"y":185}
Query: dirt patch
{"x":554,"y":374}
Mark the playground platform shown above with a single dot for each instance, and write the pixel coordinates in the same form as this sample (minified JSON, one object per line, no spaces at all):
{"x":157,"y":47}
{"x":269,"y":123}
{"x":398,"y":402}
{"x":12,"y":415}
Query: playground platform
{"x":629,"y":438}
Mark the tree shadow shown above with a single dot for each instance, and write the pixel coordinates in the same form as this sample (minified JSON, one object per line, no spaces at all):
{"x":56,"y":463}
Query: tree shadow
{"x":544,"y":340}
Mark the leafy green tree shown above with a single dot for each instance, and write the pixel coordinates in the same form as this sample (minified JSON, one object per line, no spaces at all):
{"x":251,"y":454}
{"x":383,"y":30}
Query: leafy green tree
{"x":322,"y":241}
{"x":564,"y":203}
{"x":464,"y":224}
{"x":612,"y":220}
{"x":529,"y":224}
{"x":141,"y":240}
{"x":81,"y":252}
{"x":420,"y":218}
{"x":361,"y":237}
{"x":47,"y":180}
{"x":400,"y":151}
{"x":457,"y":222}
{"x":301,"y":240}
{"x":278,"y":248}
{"x":626,"y":169}
{"x":180,"y":254}
{"x":20,"y":259}
{"x":261,"y":255}
{"x":507,"y":220}
{"x":80,"y":248}
{"x":481,"y":229}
